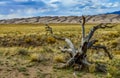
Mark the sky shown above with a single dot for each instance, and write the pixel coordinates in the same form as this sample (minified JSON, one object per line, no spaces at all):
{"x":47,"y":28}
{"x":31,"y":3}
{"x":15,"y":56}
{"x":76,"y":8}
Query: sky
{"x":32,"y":8}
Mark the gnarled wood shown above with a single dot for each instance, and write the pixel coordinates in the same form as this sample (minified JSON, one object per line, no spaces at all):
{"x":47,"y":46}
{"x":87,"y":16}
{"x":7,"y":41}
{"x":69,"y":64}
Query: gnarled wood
{"x":79,"y":56}
{"x":48,"y":29}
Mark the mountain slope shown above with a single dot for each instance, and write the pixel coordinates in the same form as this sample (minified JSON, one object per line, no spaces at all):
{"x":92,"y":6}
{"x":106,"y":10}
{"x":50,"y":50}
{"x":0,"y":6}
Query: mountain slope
{"x":103,"y":18}
{"x":116,"y":12}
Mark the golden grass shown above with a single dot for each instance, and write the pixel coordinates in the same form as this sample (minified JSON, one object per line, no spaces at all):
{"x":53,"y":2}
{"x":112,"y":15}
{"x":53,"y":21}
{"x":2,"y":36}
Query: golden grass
{"x":59,"y":58}
{"x":34,"y":28}
{"x":48,"y":51}
{"x":39,"y":28}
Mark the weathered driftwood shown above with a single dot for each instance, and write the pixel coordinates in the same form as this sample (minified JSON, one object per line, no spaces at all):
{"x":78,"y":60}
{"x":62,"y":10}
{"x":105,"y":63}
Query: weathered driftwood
{"x":48,"y":29}
{"x":78,"y":56}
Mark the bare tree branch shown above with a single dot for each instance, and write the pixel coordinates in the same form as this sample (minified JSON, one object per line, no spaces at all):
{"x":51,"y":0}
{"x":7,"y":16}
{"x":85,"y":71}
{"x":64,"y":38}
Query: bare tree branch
{"x":102,"y":26}
{"x":68,"y":41}
{"x":91,"y":43}
{"x":69,"y":50}
{"x":48,"y":29}
{"x":105,"y":50}
{"x":83,"y":28}
{"x":79,"y":56}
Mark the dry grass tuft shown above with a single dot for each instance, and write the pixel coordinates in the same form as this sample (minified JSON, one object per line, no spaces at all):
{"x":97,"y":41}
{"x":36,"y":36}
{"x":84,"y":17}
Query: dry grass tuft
{"x":51,"y":40}
{"x":59,"y":58}
{"x":35,"y":57}
{"x":22,"y":51}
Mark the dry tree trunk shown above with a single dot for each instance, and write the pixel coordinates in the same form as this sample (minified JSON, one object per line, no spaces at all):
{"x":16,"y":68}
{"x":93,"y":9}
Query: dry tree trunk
{"x":78,"y":57}
{"x":48,"y":29}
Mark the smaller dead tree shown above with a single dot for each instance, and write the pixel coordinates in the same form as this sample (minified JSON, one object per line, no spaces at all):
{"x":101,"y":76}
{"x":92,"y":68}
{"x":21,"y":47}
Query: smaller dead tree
{"x":79,"y":56}
{"x":48,"y":29}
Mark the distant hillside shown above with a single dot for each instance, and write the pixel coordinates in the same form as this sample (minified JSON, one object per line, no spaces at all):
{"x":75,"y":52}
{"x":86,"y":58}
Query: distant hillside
{"x":103,"y":18}
{"x":116,"y":12}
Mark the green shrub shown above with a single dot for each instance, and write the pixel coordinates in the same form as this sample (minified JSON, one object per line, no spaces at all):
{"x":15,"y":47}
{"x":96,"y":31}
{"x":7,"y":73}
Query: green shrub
{"x":22,"y":51}
{"x":22,"y":69}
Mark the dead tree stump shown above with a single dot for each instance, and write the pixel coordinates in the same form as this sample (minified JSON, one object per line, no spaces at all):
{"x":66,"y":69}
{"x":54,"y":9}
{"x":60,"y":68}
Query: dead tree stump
{"x":79,"y":56}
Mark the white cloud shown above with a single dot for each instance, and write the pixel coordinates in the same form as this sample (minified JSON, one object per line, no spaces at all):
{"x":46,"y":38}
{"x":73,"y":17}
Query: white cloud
{"x":12,"y":16}
{"x":69,"y":3}
{"x":116,"y":4}
{"x":21,"y":0}
{"x":11,"y":10}
{"x":2,"y":3}
{"x":62,"y":7}
{"x":22,"y":13}
{"x":30,"y":11}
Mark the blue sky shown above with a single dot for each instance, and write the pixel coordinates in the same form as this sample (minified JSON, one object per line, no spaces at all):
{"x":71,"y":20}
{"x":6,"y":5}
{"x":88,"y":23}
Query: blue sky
{"x":30,"y":8}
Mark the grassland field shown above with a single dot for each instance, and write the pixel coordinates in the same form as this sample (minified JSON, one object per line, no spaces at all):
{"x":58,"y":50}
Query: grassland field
{"x":27,"y":52}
